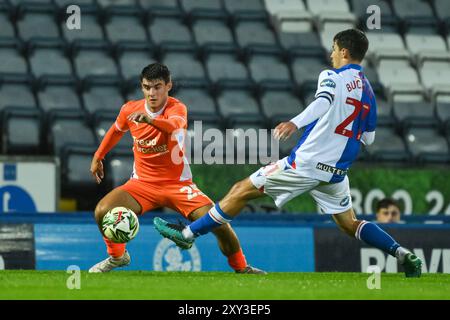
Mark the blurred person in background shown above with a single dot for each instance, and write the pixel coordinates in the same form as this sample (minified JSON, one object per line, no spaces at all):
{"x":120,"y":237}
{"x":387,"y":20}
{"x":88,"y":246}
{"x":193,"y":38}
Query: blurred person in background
{"x":388,"y":211}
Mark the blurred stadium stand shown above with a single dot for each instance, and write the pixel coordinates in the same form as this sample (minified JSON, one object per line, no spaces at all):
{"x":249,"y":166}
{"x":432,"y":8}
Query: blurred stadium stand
{"x":231,"y":60}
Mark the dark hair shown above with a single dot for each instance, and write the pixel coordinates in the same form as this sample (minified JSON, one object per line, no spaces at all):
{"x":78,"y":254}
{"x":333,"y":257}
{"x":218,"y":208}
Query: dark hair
{"x":156,"y":71}
{"x":386,"y":202}
{"x":355,"y":41}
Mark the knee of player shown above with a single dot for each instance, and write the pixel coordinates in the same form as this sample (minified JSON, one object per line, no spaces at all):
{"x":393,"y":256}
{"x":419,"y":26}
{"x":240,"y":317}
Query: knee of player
{"x":100,"y":211}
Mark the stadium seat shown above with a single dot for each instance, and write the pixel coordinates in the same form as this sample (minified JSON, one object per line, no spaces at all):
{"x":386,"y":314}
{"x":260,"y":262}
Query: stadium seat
{"x":397,"y":73}
{"x":170,"y":32}
{"x":200,"y":104}
{"x":118,"y":4}
{"x":102,"y":98}
{"x":301,"y":43}
{"x":234,"y":102}
{"x":222,"y":67}
{"x":7,"y":29}
{"x":213,"y":32}
{"x":103,"y":120}
{"x":21,"y":130}
{"x":309,"y":95}
{"x":412,"y":108}
{"x":57,"y":96}
{"x":61,"y":128}
{"x":16,"y":95}
{"x":45,"y":54}
{"x":248,"y":9}
{"x":289,"y":16}
{"x":203,"y":8}
{"x":414,"y":12}
{"x":332,"y":11}
{"x":90,"y":62}
{"x":269,"y":70}
{"x":427,"y":47}
{"x":306,"y":70}
{"x":161,"y":7}
{"x":37,"y":23}
{"x":384,"y":109}
{"x":255,"y":36}
{"x":134,"y":91}
{"x":120,"y":165}
{"x":91,"y":30}
{"x":133,"y":59}
{"x":435,"y":74}
{"x":427,"y":145}
{"x":442,"y":9}
{"x":442,"y":102}
{"x":388,"y":18}
{"x":14,"y":65}
{"x":329,"y":30}
{"x":65,"y":3}
{"x":372,"y":75}
{"x":125,"y":28}
{"x":184,"y":67}
{"x":280,"y":105}
{"x":76,"y":180}
{"x":395,"y":150}
{"x":386,"y":45}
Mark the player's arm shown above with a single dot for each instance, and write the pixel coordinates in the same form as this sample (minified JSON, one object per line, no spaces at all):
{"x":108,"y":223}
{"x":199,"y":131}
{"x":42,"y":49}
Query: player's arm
{"x":111,"y":138}
{"x":314,"y":111}
{"x":175,"y":120}
{"x":326,"y":88}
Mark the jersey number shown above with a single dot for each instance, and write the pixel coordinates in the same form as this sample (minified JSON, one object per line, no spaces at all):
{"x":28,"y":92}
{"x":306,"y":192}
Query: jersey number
{"x":192,"y":191}
{"x":341,"y":129}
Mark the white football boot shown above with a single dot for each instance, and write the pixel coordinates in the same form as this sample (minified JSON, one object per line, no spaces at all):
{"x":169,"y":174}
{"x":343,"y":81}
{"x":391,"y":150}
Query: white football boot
{"x":110,"y":263}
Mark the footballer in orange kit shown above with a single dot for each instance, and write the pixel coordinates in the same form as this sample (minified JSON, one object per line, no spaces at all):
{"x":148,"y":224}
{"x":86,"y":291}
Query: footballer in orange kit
{"x":157,"y":180}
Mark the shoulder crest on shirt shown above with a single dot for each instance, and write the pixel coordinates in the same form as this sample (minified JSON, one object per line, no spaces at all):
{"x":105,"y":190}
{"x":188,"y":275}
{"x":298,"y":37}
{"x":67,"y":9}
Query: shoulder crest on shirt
{"x":328,"y":83}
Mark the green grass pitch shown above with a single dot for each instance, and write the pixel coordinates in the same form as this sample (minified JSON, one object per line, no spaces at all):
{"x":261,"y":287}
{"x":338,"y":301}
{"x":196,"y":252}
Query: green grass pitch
{"x":21,"y":284}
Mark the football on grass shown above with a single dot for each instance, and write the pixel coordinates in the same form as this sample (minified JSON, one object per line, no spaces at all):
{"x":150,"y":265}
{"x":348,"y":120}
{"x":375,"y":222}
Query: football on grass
{"x":120,"y":225}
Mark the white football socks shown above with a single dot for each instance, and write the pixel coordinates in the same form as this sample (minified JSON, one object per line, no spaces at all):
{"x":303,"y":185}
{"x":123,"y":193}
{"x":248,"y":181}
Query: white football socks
{"x":187,"y":233}
{"x":400,"y":253}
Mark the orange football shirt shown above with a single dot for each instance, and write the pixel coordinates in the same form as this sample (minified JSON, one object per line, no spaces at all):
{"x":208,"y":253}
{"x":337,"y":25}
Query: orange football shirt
{"x":154,"y":146}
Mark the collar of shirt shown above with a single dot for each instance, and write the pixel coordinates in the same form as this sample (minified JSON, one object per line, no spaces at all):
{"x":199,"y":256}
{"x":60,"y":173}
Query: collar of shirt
{"x":155,"y":114}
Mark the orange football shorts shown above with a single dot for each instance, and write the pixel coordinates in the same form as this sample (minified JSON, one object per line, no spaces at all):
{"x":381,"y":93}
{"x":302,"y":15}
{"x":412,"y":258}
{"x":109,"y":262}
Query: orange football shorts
{"x":181,"y":196}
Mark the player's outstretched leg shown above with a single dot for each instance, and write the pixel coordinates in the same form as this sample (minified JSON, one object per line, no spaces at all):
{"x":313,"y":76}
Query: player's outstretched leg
{"x":373,"y":235}
{"x":222,"y":213}
{"x":118,"y":255}
{"x":228,"y":243}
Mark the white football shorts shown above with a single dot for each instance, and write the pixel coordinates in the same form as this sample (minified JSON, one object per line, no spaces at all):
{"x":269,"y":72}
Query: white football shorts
{"x":283,"y":183}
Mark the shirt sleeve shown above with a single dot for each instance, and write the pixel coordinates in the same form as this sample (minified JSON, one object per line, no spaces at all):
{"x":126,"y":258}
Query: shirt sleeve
{"x":176,"y":118}
{"x":372,"y":121}
{"x":326,"y":85}
{"x":314,"y":111}
{"x":368,"y":138}
{"x":121,"y":123}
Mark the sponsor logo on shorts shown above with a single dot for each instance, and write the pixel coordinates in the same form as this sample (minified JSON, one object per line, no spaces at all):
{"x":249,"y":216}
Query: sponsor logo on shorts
{"x":344,"y":202}
{"x":168,"y":257}
{"x":330,"y":169}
